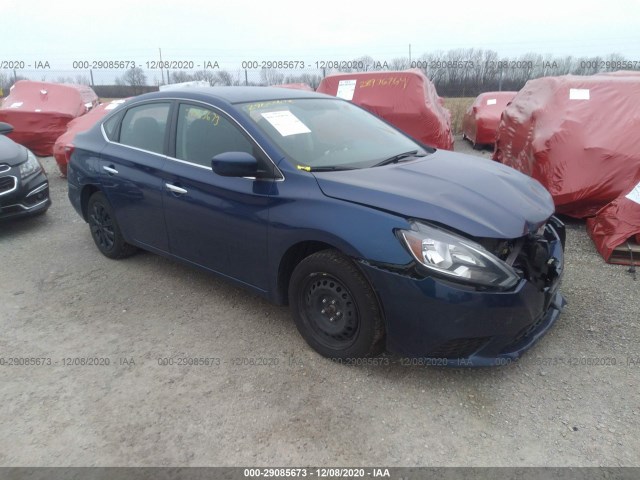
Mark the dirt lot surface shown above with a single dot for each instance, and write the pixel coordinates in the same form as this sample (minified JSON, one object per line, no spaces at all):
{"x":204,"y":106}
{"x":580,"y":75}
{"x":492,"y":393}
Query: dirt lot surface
{"x":61,"y":300}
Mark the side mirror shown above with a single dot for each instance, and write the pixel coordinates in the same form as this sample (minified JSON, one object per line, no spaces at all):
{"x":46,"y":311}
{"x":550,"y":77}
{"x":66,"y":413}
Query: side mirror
{"x":5,"y":128}
{"x":235,"y":164}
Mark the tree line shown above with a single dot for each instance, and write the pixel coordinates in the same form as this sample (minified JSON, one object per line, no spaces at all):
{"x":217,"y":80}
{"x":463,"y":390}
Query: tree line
{"x":455,"y":73}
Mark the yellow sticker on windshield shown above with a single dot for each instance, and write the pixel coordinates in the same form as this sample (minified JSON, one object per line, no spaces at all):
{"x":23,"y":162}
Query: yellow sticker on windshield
{"x":305,"y":168}
{"x":254,"y":106}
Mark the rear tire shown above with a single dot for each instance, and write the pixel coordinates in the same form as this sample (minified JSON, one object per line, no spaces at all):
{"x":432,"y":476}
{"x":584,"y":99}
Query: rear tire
{"x":105,"y":230}
{"x":334,"y":307}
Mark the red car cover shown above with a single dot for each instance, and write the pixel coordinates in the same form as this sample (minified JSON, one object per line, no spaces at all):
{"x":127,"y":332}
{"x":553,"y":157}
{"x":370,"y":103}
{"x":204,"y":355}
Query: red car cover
{"x":617,"y":223}
{"x":481,"y":119}
{"x":80,"y":124}
{"x":40,"y":112}
{"x":577,"y":135}
{"x":296,"y":86}
{"x":406,"y":99}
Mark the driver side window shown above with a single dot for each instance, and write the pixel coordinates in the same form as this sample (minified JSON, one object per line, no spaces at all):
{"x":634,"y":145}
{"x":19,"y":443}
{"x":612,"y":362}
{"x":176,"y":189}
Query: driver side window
{"x":203,"y":133}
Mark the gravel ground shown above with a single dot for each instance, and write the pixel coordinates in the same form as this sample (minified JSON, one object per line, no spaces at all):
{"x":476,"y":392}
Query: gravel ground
{"x":61,"y":299}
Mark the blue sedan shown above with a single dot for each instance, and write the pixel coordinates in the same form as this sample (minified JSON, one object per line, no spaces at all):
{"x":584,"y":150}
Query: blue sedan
{"x":374,"y":240}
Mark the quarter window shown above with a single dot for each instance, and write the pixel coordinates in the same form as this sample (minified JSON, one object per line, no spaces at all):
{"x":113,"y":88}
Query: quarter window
{"x":145,"y":126}
{"x":202,"y":134}
{"x":111,"y":126}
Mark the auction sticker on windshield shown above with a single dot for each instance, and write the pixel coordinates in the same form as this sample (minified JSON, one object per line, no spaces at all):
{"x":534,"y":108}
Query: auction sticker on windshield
{"x":286,"y":123}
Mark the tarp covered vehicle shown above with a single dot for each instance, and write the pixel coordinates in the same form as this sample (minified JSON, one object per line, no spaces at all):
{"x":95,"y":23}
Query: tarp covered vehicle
{"x":40,"y":112}
{"x":63,"y":146}
{"x":481,"y":119}
{"x":616,"y":228}
{"x":577,"y":135}
{"x":406,"y":99}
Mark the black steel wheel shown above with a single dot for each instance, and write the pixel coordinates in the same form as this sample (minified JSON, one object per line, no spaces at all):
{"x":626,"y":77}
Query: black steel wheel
{"x":105,"y":230}
{"x":335,"y":308}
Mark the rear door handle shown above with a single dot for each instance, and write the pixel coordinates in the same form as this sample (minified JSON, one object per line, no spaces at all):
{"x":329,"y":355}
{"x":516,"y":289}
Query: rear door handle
{"x":174,"y":189}
{"x":110,"y":170}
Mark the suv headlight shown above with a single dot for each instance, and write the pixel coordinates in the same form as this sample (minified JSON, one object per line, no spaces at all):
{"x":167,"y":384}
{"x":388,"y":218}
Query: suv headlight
{"x":457,"y":258}
{"x":31,"y":166}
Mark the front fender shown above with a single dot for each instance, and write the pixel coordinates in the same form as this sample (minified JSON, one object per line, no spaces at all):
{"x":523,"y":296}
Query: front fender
{"x":300,"y":213}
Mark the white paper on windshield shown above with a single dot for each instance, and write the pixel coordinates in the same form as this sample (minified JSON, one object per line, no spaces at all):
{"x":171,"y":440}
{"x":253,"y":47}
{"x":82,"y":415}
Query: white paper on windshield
{"x":346,"y":88}
{"x":492,"y":101}
{"x":38,"y":110}
{"x":286,"y":123}
{"x":634,"y":195}
{"x":578,"y":94}
{"x":16,"y":105}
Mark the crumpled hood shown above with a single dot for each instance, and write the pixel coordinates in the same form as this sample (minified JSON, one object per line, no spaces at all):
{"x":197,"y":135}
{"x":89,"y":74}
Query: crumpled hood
{"x":480,"y":197}
{"x":11,"y":153}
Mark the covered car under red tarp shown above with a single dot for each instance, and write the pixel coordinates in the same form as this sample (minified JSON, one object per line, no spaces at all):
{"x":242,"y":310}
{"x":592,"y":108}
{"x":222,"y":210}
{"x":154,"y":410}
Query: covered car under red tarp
{"x":481,"y":119}
{"x":296,"y":86}
{"x":407,"y":99}
{"x":618,"y":225}
{"x":63,"y":144}
{"x":577,"y":135}
{"x":40,"y":112}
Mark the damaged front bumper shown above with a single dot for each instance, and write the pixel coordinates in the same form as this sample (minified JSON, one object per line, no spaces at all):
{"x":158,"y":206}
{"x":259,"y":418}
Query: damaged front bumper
{"x":456,"y":325}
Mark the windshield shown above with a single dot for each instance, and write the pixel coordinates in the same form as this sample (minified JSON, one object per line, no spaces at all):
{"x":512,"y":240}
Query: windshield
{"x":330,"y":134}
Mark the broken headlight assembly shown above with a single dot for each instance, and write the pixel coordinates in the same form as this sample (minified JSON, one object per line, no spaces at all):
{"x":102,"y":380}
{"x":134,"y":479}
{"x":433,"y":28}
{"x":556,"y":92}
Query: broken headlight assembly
{"x":457,"y":258}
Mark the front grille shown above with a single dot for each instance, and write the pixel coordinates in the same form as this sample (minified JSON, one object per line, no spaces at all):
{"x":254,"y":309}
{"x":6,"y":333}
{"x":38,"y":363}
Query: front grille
{"x":7,"y":184}
{"x":4,"y":167}
{"x":459,"y":347}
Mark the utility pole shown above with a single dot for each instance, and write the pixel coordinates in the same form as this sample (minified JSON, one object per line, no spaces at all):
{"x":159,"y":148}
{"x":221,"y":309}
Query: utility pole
{"x":409,"y":54}
{"x":162,"y":69}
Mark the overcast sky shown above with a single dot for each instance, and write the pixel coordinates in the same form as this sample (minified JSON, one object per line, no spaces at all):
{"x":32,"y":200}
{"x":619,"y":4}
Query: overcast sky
{"x":233,"y":31}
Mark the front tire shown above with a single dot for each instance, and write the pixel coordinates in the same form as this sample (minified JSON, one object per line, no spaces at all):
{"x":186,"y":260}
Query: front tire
{"x":105,"y":230}
{"x":335,"y":308}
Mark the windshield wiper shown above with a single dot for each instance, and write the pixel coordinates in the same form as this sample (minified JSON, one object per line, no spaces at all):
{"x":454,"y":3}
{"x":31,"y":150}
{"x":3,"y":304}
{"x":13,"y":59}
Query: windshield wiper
{"x":400,"y":156}
{"x":323,"y":169}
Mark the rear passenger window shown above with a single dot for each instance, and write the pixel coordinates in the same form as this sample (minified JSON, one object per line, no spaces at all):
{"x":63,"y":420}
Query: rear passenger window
{"x":202,"y":134}
{"x":145,"y":126}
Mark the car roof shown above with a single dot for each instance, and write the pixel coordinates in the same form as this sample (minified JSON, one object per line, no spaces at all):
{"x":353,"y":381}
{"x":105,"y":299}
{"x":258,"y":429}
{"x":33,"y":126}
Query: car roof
{"x":234,"y":94}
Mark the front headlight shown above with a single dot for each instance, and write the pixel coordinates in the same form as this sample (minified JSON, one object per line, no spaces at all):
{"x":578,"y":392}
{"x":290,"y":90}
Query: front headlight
{"x":457,"y":258}
{"x":31,"y":166}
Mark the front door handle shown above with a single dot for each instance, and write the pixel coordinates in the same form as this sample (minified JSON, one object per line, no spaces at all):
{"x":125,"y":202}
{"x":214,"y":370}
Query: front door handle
{"x":174,"y":189}
{"x":110,"y":170}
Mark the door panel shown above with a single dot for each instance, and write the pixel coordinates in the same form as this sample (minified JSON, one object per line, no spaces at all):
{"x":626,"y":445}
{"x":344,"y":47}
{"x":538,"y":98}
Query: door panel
{"x":219,"y":223}
{"x":135,"y":193}
{"x":131,"y":174}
